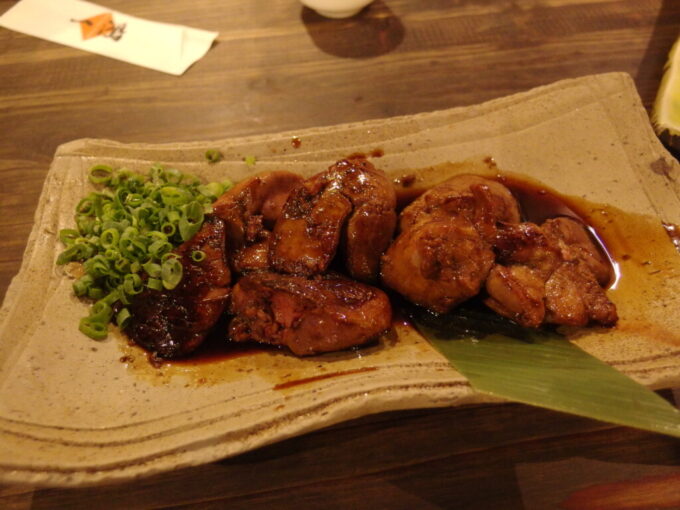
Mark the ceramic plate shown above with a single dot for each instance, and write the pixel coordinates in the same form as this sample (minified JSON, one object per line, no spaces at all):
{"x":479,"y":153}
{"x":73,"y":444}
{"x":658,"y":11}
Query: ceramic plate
{"x":74,"y":411}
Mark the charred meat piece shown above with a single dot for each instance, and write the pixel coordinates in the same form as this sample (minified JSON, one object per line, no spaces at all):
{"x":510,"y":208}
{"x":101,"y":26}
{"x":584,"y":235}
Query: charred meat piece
{"x":306,"y":238}
{"x":438,"y":264}
{"x":517,"y":292}
{"x":549,"y":274}
{"x":172,"y":323}
{"x":527,"y":244}
{"x":308,"y":315}
{"x":371,"y":225}
{"x":352,"y":205}
{"x":573,"y":297}
{"x":444,"y":253}
{"x":249,"y":211}
{"x":481,"y":201}
{"x":573,"y":234}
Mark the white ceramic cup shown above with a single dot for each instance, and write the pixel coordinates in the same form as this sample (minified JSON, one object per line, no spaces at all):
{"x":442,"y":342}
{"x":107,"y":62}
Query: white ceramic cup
{"x":336,"y":8}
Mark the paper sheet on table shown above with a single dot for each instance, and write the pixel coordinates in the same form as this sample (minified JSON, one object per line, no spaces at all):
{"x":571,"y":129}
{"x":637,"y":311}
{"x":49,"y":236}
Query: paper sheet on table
{"x":91,"y":27}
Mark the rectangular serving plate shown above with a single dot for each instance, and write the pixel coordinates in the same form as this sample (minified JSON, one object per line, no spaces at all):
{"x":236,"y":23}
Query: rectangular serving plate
{"x":78,"y":412}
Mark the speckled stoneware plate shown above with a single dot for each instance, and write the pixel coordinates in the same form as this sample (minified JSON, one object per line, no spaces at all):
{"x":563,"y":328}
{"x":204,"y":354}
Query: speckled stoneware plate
{"x":74,"y":411}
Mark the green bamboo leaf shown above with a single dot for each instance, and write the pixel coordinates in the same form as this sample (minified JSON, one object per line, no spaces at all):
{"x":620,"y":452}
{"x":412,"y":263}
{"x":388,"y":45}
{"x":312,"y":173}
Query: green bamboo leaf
{"x":543,"y":369}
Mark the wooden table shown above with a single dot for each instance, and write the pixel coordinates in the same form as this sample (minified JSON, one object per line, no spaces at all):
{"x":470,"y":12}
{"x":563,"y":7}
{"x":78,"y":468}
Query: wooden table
{"x":277,"y":66}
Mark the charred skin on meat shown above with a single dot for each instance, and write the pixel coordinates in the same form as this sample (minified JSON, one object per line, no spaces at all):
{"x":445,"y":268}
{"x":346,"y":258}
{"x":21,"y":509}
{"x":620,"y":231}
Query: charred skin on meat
{"x":465,"y":234}
{"x":309,"y":315}
{"x":552,"y":273}
{"x":351,"y":207}
{"x":444,"y":252}
{"x":250,"y":210}
{"x":173,"y":323}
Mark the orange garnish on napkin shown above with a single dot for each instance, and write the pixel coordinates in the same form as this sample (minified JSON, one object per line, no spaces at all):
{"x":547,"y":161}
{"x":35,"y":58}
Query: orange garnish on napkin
{"x":101,"y":24}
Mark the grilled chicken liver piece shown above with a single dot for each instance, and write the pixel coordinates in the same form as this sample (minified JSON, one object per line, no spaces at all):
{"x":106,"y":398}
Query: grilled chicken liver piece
{"x":352,"y":205}
{"x":173,"y":323}
{"x":481,"y":201}
{"x":549,"y":274}
{"x":308,"y":315}
{"x":438,"y":264}
{"x":249,"y":211}
{"x":444,"y":251}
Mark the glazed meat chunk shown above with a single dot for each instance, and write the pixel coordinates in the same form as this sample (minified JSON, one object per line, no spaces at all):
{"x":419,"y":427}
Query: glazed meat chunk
{"x":549,"y":274}
{"x":371,"y":225}
{"x":481,"y":201}
{"x":351,"y":206}
{"x":308,"y":315}
{"x":517,"y":292}
{"x":438,"y":264}
{"x":444,"y":251}
{"x":173,"y":323}
{"x":573,"y":235}
{"x":306,"y":238}
{"x":573,"y":297}
{"x":249,"y":211}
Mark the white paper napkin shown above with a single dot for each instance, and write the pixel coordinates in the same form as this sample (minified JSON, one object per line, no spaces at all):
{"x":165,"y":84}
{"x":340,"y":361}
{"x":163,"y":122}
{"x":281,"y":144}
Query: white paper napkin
{"x":160,"y":46}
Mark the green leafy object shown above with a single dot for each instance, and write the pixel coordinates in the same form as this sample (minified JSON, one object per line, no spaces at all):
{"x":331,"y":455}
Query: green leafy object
{"x":171,"y":273}
{"x":127,"y":228}
{"x":543,"y":369}
{"x":213,"y":155}
{"x":94,"y":329}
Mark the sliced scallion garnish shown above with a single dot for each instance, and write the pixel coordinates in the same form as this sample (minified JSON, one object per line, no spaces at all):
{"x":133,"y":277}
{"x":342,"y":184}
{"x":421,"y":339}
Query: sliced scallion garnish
{"x":213,"y":155}
{"x":125,"y":233}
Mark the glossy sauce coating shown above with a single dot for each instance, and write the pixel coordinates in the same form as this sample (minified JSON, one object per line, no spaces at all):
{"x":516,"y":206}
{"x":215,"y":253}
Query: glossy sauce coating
{"x":636,"y":247}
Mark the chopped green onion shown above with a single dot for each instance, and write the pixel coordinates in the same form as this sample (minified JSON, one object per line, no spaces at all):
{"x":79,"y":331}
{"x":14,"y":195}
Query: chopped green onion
{"x":97,"y":266}
{"x":113,"y":280}
{"x":109,"y":237}
{"x":101,"y":311}
{"x":212,"y":190}
{"x":86,"y":206}
{"x":173,"y":176}
{"x":123,"y":318}
{"x":95,"y":293}
{"x":191,"y":220}
{"x":134,"y":200}
{"x":250,"y":160}
{"x":82,"y":285}
{"x":85,"y":224}
{"x":159,"y":248}
{"x":100,"y":174}
{"x":198,"y":255}
{"x":112,"y":297}
{"x":122,"y":265}
{"x":157,"y":236}
{"x":170,"y":256}
{"x":168,"y":229}
{"x":173,"y":195}
{"x":125,"y":235}
{"x":213,"y":155}
{"x":132,"y":284}
{"x":171,"y":273}
{"x":70,"y":254}
{"x":68,"y":236}
{"x":154,"y":283}
{"x":93,"y":329}
{"x":153,"y":269}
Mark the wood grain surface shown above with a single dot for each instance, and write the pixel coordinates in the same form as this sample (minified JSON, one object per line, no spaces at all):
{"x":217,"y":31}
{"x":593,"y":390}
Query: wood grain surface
{"x":278,"y":66}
